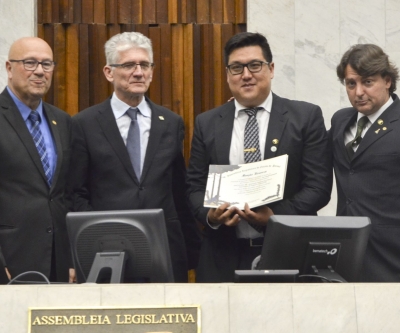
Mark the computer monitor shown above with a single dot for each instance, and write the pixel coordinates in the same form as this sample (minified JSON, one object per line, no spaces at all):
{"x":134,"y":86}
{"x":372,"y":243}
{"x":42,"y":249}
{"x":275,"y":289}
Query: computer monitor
{"x":120,"y":246}
{"x":332,"y":247}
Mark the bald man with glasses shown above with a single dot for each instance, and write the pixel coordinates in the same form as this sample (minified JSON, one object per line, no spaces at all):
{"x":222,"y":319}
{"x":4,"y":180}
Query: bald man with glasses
{"x":233,"y":238}
{"x":34,"y":160}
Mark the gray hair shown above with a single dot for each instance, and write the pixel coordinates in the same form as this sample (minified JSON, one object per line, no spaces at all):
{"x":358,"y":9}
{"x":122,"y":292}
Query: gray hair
{"x":125,"y":41}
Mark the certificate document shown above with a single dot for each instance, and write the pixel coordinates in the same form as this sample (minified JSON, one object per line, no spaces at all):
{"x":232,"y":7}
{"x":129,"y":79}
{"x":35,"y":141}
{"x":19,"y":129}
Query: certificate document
{"x":257,"y":183}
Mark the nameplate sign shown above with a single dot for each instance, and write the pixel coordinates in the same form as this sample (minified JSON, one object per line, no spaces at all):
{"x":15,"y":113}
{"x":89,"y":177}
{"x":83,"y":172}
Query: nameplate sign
{"x":184,"y":319}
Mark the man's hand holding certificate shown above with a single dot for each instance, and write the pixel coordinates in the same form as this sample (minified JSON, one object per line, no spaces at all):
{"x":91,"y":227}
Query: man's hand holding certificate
{"x":256,"y":184}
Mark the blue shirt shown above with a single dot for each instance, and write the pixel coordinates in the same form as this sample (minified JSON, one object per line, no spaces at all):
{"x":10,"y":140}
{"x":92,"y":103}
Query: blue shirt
{"x":44,"y":127}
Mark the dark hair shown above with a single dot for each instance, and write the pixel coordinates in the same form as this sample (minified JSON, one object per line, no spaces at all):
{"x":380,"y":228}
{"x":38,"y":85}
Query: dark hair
{"x":244,"y":39}
{"x":368,"y":60}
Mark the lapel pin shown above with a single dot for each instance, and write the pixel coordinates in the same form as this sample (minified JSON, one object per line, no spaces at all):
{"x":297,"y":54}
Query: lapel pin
{"x":54,"y":122}
{"x":385,"y":128}
{"x":161,"y":117}
{"x":377,"y":131}
{"x":380,"y":122}
{"x":273,"y":149}
{"x":275,"y":141}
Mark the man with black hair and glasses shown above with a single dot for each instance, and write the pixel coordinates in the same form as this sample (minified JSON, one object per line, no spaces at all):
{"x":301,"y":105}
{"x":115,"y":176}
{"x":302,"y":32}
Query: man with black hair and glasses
{"x":34,"y":160}
{"x":127,"y":151}
{"x":233,"y":237}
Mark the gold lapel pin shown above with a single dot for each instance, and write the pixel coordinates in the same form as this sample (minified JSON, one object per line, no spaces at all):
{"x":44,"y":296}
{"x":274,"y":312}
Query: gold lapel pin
{"x":275,"y":141}
{"x":380,"y":121}
{"x":161,"y":117}
{"x":250,"y":150}
{"x":54,"y":122}
{"x":377,"y":131}
{"x":385,"y":128}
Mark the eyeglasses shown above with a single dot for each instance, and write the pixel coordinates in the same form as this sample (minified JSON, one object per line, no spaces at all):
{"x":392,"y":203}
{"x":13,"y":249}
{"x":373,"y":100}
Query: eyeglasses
{"x":131,"y":66}
{"x":253,"y":67}
{"x":32,"y":64}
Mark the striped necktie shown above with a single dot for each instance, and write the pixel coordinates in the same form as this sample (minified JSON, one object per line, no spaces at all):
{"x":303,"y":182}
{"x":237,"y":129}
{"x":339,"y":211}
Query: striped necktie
{"x":252,"y":151}
{"x":38,"y":138}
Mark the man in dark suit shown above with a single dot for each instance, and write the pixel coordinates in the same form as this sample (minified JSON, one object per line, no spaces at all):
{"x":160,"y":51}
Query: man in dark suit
{"x":285,"y":127}
{"x":109,"y":174}
{"x":34,"y":160}
{"x":366,"y":153}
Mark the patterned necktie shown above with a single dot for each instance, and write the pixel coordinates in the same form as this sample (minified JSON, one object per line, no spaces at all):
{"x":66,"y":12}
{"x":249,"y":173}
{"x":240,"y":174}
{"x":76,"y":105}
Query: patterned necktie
{"x":133,"y":141}
{"x":251,"y":137}
{"x":38,"y":138}
{"x":252,"y":151}
{"x":357,"y":139}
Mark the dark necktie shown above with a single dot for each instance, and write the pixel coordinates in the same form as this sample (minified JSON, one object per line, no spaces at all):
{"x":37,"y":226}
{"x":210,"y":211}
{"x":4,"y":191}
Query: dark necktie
{"x":38,"y":138}
{"x":357,"y":139}
{"x":133,"y":141}
{"x":252,"y":151}
{"x":251,"y":137}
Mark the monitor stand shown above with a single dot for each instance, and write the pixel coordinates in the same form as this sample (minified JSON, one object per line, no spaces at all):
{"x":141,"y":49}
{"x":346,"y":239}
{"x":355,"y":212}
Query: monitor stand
{"x":327,"y":274}
{"x":108,"y":267}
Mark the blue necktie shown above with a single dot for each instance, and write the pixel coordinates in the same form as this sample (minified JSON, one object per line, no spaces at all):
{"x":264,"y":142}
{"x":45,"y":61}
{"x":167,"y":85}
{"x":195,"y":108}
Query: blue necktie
{"x":38,"y":138}
{"x":133,"y":141}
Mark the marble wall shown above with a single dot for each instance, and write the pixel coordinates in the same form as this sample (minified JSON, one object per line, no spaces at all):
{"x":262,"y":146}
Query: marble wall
{"x":308,"y":38}
{"x":18,"y":19}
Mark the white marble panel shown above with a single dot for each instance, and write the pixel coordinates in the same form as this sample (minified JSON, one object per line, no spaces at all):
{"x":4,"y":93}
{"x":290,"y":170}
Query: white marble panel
{"x":362,"y":21}
{"x":213,"y":299}
{"x":317,"y":83}
{"x":68,"y":296}
{"x":133,"y":295}
{"x":261,"y":308}
{"x":283,"y":83}
{"x":378,"y":307}
{"x":317,"y":26}
{"x":274,"y":19}
{"x":3,"y":72}
{"x":392,"y":26}
{"x":328,"y":308}
{"x":15,"y":301}
{"x":18,"y":19}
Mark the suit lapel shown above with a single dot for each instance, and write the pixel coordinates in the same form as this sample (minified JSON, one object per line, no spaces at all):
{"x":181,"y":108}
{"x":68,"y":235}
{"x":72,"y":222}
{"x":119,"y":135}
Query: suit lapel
{"x":13,"y":116}
{"x":159,"y":124}
{"x":223,"y":133}
{"x":51,"y":120}
{"x":276,"y":126}
{"x":349,"y":120}
{"x":377,"y":131}
{"x":110,"y":129}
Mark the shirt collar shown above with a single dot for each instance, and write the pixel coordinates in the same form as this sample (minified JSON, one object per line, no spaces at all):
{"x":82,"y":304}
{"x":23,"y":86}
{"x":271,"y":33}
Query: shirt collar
{"x":373,"y":117}
{"x":119,"y":107}
{"x":267,"y":105}
{"x":24,"y":109}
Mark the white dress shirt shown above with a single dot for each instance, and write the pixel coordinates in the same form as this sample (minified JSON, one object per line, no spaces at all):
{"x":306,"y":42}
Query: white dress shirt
{"x":119,"y":109}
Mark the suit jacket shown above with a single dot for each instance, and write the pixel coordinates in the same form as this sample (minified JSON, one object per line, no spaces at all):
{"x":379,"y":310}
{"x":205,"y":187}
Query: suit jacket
{"x":301,"y":132}
{"x":369,"y":185}
{"x":103,"y":177}
{"x":32,"y":215}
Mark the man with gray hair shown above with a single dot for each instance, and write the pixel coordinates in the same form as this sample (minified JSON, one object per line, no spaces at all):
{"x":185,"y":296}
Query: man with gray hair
{"x":366,"y":156}
{"x":127,"y":151}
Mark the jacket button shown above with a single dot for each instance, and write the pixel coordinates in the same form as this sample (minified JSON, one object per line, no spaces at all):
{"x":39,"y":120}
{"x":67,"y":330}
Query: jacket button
{"x":352,"y":172}
{"x":49,"y":230}
{"x":141,"y":188}
{"x":348,"y":201}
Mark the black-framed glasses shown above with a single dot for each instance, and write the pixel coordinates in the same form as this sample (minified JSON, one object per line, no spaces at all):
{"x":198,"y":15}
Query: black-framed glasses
{"x":131,"y":66}
{"x":32,"y":64}
{"x":253,"y":67}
